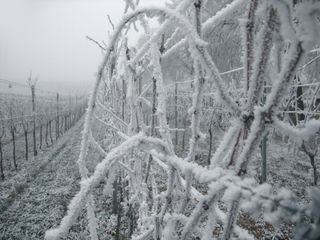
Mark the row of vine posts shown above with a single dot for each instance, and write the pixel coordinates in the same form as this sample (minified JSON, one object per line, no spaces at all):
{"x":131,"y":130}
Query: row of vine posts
{"x":39,"y":119}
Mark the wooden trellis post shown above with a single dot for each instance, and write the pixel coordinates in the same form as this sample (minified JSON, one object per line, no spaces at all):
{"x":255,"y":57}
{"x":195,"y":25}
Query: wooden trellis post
{"x":57,"y":120}
{"x":32,"y":87}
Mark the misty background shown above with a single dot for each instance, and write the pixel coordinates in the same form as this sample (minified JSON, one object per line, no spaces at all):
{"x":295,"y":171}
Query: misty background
{"x":49,"y":38}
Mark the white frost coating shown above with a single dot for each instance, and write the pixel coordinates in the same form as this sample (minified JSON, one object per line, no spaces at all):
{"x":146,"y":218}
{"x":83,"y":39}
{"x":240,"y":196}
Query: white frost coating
{"x":208,"y":233}
{"x":195,"y":193}
{"x":261,"y":56}
{"x":92,"y":221}
{"x":144,"y":23}
{"x":202,"y":207}
{"x":198,"y":49}
{"x":242,"y":233}
{"x":291,"y":61}
{"x":161,"y":109}
{"x":195,"y":110}
{"x":253,"y":138}
{"x":81,"y":161}
{"x":87,"y":185}
{"x":285,"y":14}
{"x":214,"y":74}
{"x":286,"y":75}
{"x":145,"y":90}
{"x":52,"y":234}
{"x":164,"y":128}
{"x":207,"y":25}
{"x":129,"y":3}
{"x":122,"y":66}
{"x":112,"y":114}
{"x":172,"y":38}
{"x":309,"y":28}
{"x":222,"y":14}
{"x":231,"y":194}
{"x":169,"y":231}
{"x":92,"y":99}
{"x":107,"y":189}
{"x":306,"y":13}
{"x":145,"y":101}
{"x":183,"y":5}
{"x":228,"y":138}
{"x":173,"y":50}
{"x":298,"y":135}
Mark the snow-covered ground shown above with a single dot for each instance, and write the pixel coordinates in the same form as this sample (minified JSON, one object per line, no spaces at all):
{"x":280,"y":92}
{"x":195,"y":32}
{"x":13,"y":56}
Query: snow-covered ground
{"x":36,"y":198}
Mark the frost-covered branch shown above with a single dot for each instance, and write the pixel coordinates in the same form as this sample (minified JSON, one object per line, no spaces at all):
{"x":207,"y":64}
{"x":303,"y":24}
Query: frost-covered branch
{"x":298,"y":135}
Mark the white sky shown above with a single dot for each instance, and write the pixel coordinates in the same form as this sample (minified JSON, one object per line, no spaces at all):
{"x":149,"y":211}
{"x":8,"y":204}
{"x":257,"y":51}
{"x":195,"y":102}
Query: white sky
{"x":48,"y":36}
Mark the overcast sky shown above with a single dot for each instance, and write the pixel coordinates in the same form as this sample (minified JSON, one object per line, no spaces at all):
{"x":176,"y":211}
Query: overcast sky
{"x":48,"y":36}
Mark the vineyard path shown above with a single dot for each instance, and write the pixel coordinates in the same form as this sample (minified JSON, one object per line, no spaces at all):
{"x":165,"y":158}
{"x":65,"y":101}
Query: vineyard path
{"x":44,"y":201}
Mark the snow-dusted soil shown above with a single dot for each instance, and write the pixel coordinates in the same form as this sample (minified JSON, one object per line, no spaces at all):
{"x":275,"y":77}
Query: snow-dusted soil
{"x":36,"y":198}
